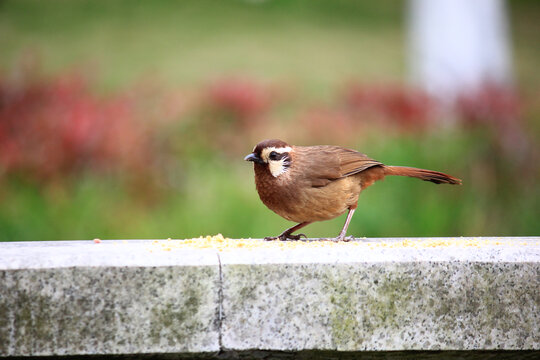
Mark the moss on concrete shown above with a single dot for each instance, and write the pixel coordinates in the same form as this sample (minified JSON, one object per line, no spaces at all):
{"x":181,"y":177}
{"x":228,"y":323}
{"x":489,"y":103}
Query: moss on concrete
{"x":95,"y":310}
{"x":361,"y":307}
{"x":177,"y":320}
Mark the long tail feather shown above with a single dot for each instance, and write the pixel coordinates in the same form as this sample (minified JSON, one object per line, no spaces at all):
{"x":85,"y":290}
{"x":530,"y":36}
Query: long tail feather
{"x":422,"y":174}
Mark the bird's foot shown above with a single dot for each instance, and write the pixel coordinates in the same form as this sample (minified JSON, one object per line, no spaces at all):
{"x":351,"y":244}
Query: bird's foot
{"x":285,"y":237}
{"x":292,"y":237}
{"x":342,"y":237}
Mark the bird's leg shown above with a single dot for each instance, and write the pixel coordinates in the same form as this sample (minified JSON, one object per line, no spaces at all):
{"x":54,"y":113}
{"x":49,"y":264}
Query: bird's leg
{"x":287,"y":234}
{"x":341,"y":236}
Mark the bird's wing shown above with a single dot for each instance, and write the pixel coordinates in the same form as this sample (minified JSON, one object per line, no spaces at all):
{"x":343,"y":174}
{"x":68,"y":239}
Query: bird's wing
{"x":352,"y":162}
{"x":325,"y":163}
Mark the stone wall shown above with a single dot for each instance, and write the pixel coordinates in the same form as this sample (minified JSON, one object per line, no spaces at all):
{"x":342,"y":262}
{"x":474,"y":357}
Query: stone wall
{"x":203,"y":297}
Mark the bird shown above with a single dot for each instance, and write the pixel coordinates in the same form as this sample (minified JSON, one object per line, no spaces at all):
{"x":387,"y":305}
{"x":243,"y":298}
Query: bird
{"x":305,"y":184}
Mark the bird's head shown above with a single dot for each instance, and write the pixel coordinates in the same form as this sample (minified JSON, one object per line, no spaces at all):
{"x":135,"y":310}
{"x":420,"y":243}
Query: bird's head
{"x":274,"y":154}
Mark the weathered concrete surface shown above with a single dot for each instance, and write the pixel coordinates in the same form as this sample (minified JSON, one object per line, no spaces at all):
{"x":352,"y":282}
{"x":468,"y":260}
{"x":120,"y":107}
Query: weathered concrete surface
{"x":404,"y":296}
{"x":66,"y":298}
{"x":144,"y":297}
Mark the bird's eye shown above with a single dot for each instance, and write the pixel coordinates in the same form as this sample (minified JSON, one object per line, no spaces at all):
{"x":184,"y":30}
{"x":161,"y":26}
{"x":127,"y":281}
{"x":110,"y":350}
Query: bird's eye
{"x":273,"y":156}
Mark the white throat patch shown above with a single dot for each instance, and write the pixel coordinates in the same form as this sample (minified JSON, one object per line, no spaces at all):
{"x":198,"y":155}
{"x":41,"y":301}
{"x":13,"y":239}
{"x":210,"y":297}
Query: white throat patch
{"x":276,"y":167}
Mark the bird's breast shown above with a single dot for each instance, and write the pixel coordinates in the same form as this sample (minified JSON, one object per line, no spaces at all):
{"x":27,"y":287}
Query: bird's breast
{"x":276,"y":193}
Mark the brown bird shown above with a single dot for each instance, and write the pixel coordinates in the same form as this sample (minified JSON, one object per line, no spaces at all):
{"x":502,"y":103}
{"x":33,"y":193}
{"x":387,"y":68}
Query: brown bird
{"x":305,"y":184}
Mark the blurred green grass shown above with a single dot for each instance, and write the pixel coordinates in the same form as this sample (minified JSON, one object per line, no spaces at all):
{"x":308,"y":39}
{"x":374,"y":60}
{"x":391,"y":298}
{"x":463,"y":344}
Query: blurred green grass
{"x":315,"y":46}
{"x":311,"y":43}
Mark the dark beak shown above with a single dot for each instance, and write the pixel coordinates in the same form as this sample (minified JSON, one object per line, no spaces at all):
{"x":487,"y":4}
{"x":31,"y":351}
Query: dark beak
{"x":253,"y":157}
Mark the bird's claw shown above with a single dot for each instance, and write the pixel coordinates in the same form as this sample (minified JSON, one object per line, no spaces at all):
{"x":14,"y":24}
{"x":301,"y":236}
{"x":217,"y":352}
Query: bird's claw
{"x":285,"y":237}
{"x":343,"y":238}
{"x":292,"y":237}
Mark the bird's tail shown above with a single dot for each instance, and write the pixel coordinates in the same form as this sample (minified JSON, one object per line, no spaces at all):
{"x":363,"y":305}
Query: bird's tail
{"x":426,"y":175}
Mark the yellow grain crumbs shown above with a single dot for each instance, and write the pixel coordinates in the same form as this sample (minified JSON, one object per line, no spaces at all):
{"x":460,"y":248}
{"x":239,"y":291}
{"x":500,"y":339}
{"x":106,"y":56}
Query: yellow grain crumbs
{"x":221,"y":243}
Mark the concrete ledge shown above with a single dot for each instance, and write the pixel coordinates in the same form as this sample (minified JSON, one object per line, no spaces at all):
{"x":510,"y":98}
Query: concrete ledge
{"x":204,"y":296}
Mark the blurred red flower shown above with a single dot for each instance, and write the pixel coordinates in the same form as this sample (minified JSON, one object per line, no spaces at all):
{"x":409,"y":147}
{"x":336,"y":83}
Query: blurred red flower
{"x":241,"y":98}
{"x":393,"y":104}
{"x":53,"y":127}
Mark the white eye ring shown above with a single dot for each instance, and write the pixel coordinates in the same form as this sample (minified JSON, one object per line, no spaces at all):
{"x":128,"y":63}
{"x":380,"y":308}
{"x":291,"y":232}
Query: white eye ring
{"x":266,"y":153}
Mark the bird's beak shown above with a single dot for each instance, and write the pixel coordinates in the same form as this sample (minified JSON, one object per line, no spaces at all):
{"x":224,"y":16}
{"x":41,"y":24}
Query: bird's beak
{"x":253,"y":157}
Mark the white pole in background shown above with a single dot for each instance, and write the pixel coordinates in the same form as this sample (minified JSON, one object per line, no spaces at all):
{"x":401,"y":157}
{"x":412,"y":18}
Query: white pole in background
{"x":457,"y":46}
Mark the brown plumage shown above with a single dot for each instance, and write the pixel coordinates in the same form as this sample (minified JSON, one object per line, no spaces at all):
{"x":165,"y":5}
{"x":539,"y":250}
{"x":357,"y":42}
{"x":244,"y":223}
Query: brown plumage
{"x":315,"y":183}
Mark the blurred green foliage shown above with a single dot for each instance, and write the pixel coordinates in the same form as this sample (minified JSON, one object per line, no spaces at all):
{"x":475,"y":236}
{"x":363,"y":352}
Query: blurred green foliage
{"x":313,"y":43}
{"x":297,"y":58}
